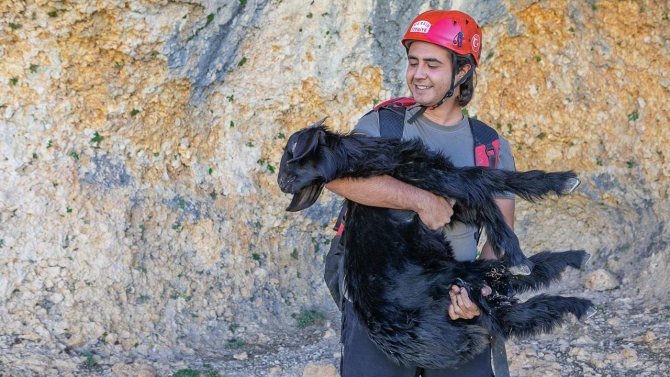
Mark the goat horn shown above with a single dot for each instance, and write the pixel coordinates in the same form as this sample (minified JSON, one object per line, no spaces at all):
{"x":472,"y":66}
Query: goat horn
{"x":319,"y":123}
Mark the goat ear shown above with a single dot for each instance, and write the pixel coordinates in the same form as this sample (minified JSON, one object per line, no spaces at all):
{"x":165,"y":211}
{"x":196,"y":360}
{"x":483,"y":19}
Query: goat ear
{"x":305,"y":198}
{"x":306,"y":143}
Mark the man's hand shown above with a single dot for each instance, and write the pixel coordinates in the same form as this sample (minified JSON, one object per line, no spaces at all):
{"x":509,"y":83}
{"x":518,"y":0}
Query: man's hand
{"x":461,"y":307}
{"x":435,"y":211}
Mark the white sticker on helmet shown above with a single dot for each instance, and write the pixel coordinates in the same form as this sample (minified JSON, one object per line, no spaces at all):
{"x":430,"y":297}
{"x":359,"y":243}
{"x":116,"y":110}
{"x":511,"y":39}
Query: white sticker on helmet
{"x":420,"y":27}
{"x":476,"y":43}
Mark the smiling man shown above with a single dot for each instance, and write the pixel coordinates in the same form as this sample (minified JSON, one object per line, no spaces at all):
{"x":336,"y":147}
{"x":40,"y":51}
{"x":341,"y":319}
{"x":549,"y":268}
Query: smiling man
{"x":443,"y":51}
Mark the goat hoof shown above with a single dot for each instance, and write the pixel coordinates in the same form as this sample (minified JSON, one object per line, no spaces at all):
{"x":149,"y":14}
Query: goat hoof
{"x":520,"y":270}
{"x":591,"y":312}
{"x":570,"y":186}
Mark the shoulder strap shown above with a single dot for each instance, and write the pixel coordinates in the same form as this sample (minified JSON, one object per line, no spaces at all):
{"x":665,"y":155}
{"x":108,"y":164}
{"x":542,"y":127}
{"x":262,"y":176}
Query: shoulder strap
{"x":339,"y":224}
{"x":392,"y":116}
{"x":486,"y":150}
{"x":487,"y":144}
{"x":396,"y":102}
{"x":392,"y":124}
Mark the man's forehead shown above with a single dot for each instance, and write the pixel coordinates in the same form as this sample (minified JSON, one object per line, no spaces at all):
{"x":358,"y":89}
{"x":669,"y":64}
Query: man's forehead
{"x":427,"y":51}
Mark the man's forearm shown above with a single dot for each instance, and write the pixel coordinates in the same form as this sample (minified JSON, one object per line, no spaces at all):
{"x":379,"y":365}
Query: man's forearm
{"x":387,"y":192}
{"x":380,"y":191}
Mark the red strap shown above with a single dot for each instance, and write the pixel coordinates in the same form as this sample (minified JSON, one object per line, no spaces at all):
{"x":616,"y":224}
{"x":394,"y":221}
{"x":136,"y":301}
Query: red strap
{"x":402,"y":101}
{"x":483,"y":156}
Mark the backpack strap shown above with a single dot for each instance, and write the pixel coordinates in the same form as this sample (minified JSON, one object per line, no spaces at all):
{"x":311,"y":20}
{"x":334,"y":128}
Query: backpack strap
{"x":339,"y":224}
{"x":392,"y":116}
{"x":396,"y":102}
{"x":392,"y":123}
{"x":487,"y":144}
{"x":487,"y":149}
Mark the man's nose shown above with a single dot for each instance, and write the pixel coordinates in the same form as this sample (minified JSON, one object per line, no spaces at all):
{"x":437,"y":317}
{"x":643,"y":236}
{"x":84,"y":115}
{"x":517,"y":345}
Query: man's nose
{"x":420,"y":71}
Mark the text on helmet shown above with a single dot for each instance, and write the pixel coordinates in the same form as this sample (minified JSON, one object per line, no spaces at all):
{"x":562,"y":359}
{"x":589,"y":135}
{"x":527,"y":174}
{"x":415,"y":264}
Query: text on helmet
{"x":421,"y":27}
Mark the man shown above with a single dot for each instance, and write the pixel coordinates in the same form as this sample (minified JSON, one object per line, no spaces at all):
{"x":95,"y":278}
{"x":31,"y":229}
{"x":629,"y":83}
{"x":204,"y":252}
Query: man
{"x":443,"y":50}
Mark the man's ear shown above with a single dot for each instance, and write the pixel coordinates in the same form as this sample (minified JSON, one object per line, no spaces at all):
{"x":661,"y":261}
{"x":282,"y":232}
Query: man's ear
{"x":464,"y":70}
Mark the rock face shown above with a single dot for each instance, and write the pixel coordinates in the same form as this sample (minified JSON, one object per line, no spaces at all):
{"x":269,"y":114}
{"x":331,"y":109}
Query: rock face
{"x":140,"y":141}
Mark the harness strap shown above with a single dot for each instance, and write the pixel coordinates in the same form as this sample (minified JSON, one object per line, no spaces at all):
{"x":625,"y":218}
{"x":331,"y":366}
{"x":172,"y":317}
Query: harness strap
{"x":339,"y":224}
{"x":499,"y":357}
{"x":487,"y":144}
{"x":392,"y":119}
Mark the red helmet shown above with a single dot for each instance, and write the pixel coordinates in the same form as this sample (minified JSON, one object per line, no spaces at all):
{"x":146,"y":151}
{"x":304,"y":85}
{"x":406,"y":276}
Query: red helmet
{"x":451,"y":29}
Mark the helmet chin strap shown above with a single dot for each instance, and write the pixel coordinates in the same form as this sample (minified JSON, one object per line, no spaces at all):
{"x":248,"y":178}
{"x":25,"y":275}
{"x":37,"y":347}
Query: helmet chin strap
{"x":454,"y":85}
{"x":450,"y":93}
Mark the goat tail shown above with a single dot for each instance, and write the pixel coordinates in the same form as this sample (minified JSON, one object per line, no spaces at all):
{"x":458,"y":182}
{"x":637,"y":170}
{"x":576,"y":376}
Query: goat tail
{"x":547,"y":268}
{"x":536,"y":184}
{"x":539,"y":314}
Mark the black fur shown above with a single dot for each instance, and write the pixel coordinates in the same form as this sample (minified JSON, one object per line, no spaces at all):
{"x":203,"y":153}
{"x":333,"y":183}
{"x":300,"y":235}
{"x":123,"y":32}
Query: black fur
{"x":473,"y":188}
{"x":399,"y":272}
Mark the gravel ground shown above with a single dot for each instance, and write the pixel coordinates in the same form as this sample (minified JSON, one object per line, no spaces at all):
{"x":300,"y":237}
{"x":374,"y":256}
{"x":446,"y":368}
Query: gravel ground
{"x":626,"y":337}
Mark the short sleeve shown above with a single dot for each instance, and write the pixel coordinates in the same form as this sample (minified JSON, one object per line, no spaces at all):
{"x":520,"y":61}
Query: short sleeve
{"x":505,"y":156}
{"x":369,"y":124}
{"x":505,"y":162}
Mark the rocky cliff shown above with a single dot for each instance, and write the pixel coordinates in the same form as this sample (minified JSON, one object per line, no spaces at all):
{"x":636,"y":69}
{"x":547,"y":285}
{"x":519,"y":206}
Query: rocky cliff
{"x":140,"y":142}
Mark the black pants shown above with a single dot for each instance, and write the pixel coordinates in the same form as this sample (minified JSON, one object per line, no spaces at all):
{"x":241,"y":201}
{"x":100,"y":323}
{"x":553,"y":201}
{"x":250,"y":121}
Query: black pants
{"x":362,"y":358}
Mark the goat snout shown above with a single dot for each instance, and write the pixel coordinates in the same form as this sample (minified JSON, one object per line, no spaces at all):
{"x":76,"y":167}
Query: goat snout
{"x":282,"y":181}
{"x":285,"y":183}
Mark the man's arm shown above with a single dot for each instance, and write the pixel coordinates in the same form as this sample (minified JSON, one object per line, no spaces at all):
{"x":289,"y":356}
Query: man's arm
{"x":388,"y":192}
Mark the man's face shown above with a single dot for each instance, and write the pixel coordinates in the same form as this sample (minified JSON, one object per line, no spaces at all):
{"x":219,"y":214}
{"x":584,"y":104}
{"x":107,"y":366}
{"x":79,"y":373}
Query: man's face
{"x":428,"y":72}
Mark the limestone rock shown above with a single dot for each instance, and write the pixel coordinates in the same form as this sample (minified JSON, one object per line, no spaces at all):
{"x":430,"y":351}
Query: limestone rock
{"x":601,"y":280}
{"x":140,"y":142}
{"x":136,"y":370}
{"x":316,"y":370}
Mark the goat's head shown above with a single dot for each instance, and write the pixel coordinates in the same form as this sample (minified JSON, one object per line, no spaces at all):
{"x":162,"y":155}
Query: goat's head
{"x":301,"y":171}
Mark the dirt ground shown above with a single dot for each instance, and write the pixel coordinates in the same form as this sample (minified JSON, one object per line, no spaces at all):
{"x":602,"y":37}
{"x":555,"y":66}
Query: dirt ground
{"x":627,"y":337}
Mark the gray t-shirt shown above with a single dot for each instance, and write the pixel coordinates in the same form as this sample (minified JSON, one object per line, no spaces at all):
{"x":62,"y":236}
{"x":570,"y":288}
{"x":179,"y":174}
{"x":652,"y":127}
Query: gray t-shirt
{"x":456,"y":143}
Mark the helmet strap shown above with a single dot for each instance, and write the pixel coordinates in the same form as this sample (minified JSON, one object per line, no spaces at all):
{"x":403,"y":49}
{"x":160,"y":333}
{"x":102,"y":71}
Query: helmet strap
{"x":422,"y":109}
{"x":454,"y":85}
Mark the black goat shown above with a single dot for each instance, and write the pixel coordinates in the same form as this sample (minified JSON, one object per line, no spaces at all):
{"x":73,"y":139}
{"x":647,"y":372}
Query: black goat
{"x":399,"y":272}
